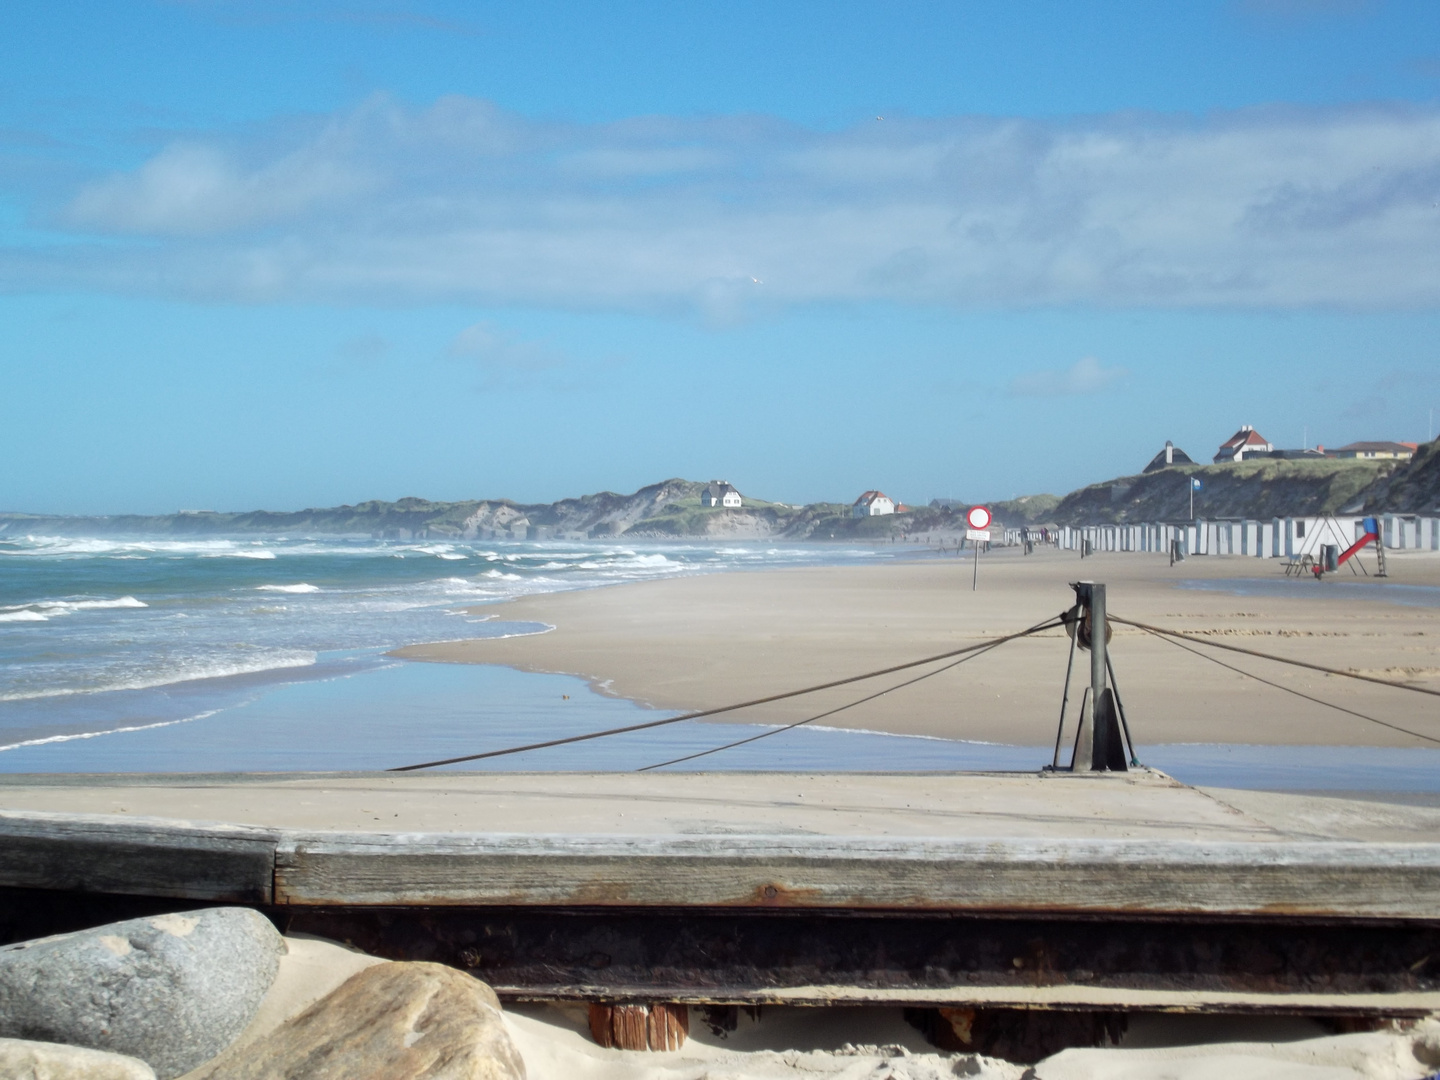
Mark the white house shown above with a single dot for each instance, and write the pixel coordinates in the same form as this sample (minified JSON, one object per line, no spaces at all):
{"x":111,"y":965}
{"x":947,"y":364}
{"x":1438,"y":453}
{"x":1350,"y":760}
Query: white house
{"x":720,"y":493}
{"x":1402,"y":450}
{"x":1245,"y":442}
{"x":872,"y":504}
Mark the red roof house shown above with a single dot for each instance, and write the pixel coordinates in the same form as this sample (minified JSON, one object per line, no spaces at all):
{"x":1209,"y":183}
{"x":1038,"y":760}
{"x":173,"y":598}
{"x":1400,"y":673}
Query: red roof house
{"x":1246,"y":442}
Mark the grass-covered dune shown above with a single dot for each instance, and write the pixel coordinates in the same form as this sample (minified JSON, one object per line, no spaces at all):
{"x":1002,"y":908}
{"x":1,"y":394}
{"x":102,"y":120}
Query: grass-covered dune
{"x":1261,"y":488}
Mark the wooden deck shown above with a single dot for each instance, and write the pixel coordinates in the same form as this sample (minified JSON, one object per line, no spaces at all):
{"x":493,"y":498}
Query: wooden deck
{"x":825,"y":887}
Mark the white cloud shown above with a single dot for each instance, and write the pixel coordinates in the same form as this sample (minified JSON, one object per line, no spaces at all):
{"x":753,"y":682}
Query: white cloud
{"x":198,"y":190}
{"x":1086,"y":376}
{"x":1273,"y":208}
{"x":493,"y":349}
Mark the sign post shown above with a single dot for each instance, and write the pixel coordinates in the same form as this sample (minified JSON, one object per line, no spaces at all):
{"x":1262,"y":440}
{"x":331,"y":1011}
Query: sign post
{"x":978,"y":520}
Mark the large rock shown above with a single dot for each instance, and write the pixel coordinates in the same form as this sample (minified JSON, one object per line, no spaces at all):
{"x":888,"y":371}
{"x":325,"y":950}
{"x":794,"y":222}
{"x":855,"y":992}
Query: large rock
{"x":172,"y":990}
{"x":402,"y":1021}
{"x":21,"y":1059}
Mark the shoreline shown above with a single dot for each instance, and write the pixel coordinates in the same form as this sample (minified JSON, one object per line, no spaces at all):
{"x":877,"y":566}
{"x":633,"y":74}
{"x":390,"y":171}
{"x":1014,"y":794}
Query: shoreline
{"x":709,"y":640}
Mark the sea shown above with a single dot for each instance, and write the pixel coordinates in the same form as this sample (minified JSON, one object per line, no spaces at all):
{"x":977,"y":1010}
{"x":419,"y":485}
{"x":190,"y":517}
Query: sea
{"x":270,"y":653}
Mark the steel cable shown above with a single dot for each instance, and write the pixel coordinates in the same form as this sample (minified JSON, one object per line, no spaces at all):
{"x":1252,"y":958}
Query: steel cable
{"x":1271,"y":656}
{"x":983,"y":645}
{"x":849,"y":705}
{"x":1292,"y":690}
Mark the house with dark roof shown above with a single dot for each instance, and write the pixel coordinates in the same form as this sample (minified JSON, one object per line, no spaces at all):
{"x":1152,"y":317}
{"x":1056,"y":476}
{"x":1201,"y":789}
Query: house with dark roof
{"x":872,"y":504}
{"x":721,"y":493}
{"x":1171,"y":455}
{"x":1247,"y":442}
{"x":1399,"y":451}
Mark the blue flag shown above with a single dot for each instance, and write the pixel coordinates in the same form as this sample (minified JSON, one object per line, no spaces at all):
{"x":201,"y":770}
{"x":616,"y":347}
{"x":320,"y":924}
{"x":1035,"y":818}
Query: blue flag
{"x":1195,"y":483}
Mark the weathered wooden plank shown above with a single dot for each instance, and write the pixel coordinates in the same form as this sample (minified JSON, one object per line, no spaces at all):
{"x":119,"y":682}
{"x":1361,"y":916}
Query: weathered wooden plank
{"x":809,"y":956}
{"x":1341,"y":880}
{"x":137,"y":856}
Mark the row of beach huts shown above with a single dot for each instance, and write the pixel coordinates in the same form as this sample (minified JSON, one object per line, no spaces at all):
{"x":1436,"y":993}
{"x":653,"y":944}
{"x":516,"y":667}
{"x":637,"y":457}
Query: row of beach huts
{"x":1278,"y":538}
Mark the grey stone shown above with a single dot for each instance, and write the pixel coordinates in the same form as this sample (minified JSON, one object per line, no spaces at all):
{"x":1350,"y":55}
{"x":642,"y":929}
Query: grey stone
{"x":172,"y":990}
{"x":403,"y":1021}
{"x":21,"y":1059}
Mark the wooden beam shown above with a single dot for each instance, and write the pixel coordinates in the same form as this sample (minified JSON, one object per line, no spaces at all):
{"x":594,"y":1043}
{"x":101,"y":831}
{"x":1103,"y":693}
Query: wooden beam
{"x":1078,"y":876}
{"x":1330,"y":879}
{"x":137,"y":856}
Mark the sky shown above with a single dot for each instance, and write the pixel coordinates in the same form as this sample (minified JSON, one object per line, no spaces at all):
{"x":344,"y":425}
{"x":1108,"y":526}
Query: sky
{"x":286,"y":253}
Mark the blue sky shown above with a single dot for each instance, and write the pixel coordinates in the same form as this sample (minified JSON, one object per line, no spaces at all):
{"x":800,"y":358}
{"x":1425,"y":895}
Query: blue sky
{"x":284,"y":253}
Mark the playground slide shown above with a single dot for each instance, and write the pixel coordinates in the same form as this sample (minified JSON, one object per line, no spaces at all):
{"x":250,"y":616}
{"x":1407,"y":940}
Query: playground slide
{"x":1372,"y":535}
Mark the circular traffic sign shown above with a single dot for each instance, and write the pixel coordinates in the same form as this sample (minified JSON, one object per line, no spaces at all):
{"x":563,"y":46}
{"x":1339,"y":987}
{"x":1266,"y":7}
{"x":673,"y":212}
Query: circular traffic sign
{"x":978,"y":517}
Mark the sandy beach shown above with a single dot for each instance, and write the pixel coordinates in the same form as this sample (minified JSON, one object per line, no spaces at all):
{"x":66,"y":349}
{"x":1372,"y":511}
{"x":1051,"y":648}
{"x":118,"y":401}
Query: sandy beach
{"x":849,"y":1043}
{"x":707,"y":641}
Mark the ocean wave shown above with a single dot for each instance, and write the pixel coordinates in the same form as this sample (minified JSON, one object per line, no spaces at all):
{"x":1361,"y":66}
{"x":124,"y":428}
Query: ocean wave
{"x":45,"y":610}
{"x":191,"y":672}
{"x":96,"y":546}
{"x":652,"y":560}
{"x":108,"y":731}
{"x":501,"y":575}
{"x":440,"y":551}
{"x":300,"y":588}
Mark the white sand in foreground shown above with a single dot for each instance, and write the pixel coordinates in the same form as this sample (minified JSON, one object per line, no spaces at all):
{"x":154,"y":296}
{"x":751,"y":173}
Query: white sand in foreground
{"x":856,"y":1043}
{"x":707,"y":641}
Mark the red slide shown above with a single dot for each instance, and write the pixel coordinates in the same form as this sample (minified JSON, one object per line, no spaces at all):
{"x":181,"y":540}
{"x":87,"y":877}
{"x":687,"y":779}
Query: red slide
{"x":1368,"y":538}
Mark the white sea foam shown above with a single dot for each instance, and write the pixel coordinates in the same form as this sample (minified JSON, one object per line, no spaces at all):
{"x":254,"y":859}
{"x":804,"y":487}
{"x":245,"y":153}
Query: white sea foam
{"x":108,"y":731}
{"x":523,"y":633}
{"x":95,"y":546}
{"x":451,"y":555}
{"x":279,"y":660}
{"x":45,"y":610}
{"x":500,"y":574}
{"x":100,"y":605}
{"x":302,"y":587}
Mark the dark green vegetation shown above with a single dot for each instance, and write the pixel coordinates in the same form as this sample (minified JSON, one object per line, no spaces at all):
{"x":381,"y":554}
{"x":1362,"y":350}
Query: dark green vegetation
{"x":1258,"y":489}
{"x":1414,"y":489}
{"x":1262,"y":488}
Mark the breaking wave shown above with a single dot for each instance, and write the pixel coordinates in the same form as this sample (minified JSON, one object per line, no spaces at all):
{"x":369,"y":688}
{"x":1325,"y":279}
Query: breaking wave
{"x":45,"y":610}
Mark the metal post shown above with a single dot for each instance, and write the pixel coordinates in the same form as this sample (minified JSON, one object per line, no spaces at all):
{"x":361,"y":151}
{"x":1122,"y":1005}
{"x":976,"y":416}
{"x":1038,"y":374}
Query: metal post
{"x":1100,"y":731}
{"x":1092,"y":741}
{"x":975,"y":577}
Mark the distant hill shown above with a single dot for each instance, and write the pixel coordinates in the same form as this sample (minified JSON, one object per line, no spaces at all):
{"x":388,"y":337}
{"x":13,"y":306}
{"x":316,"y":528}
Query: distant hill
{"x":602,"y":514}
{"x":667,"y":510}
{"x":1261,"y":488}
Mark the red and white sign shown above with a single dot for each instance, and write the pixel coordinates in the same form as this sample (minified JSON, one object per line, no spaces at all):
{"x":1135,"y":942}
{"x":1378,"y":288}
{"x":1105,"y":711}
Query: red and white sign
{"x":978,"y":517}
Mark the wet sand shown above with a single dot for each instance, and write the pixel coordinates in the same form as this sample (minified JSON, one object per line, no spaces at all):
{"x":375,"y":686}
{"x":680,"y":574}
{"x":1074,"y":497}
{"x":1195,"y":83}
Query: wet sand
{"x":709,"y":641}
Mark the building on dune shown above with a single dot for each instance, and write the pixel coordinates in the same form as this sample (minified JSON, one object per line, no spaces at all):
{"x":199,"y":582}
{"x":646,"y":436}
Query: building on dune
{"x":1400,"y":451}
{"x":872,"y":504}
{"x":1245,"y":443}
{"x":1171,"y":455}
{"x":721,"y":493}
